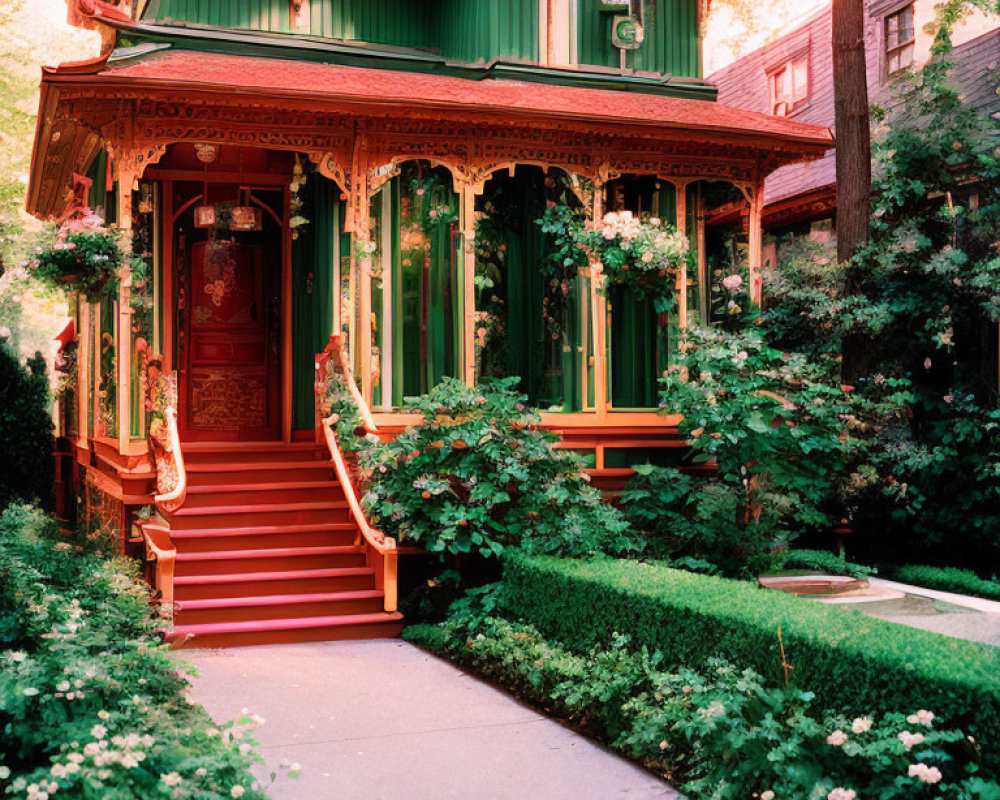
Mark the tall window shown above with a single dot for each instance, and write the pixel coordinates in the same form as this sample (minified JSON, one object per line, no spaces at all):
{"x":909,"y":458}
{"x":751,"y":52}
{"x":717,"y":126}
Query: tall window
{"x":790,"y":86}
{"x":899,"y":40}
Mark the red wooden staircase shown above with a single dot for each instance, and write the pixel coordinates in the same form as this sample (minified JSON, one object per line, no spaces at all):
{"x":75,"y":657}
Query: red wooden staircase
{"x":268,"y":551}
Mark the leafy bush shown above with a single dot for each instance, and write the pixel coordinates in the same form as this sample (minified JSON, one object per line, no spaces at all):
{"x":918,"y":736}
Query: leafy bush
{"x":828,"y":563}
{"x":26,"y":431}
{"x":700,"y":523}
{"x":853,"y":663}
{"x":91,"y":705}
{"x":781,"y":426}
{"x":479,"y":475}
{"x":723,"y":730}
{"x":947,"y":579}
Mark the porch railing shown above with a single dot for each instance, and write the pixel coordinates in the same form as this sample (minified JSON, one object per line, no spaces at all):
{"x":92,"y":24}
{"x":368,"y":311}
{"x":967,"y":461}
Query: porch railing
{"x":381,"y":553}
{"x":171,"y":473}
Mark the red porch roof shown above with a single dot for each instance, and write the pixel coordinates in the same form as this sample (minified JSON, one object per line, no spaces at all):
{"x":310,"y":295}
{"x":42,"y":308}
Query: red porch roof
{"x":374,"y":87}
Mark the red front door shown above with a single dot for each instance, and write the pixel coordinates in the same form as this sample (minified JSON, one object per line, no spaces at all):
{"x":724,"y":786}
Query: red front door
{"x":230,"y":353}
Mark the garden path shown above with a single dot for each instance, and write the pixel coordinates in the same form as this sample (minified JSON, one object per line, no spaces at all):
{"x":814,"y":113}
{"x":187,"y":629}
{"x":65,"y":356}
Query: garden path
{"x":383,"y":719}
{"x":956,"y":615}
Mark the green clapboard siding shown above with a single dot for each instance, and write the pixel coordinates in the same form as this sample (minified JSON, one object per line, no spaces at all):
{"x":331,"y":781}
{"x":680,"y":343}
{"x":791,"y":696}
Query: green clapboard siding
{"x":312,"y":292}
{"x":481,"y":30}
{"x":671,"y":44}
{"x":403,"y":23}
{"x":255,"y":15}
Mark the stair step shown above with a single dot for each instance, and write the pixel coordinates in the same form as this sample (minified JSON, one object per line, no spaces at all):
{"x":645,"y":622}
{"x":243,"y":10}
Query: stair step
{"x":265,"y":537}
{"x":222,"y":495}
{"x":271,"y":582}
{"x":258,"y":472}
{"x":260,"y":508}
{"x":285,"y":514}
{"x":277,"y":552}
{"x":251,"y":452}
{"x":229,"y":562}
{"x":278,"y":606}
{"x":234,"y":634}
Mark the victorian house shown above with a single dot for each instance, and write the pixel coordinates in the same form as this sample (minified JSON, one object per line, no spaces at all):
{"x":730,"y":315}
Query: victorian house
{"x":319,"y":185}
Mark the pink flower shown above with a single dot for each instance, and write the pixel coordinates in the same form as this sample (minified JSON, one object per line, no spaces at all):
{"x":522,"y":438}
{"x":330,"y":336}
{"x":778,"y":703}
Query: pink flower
{"x":924,"y":717}
{"x":949,"y":397}
{"x":837,"y":738}
{"x":841,"y":793}
{"x":861,"y":725}
{"x":732,"y":282}
{"x":909,"y":740}
{"x":927,"y":363}
{"x":925,"y":773}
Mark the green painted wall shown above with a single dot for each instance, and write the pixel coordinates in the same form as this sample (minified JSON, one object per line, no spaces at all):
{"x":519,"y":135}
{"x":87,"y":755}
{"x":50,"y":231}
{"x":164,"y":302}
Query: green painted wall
{"x":312,"y":292}
{"x":464,"y":31}
{"x":481,"y":30}
{"x":671,"y":43}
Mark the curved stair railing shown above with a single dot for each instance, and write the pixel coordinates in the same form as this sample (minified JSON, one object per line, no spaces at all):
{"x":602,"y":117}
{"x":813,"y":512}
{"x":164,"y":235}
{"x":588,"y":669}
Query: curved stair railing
{"x":171,"y":474}
{"x":381,"y":554}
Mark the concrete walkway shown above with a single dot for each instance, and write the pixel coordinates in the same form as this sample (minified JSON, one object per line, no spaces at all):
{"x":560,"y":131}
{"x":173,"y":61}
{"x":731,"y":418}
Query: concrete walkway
{"x":383,"y":719}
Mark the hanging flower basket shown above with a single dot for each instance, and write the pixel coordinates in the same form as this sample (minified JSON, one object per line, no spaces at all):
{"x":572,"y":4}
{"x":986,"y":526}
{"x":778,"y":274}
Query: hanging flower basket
{"x":643,"y":254}
{"x":85,"y":257}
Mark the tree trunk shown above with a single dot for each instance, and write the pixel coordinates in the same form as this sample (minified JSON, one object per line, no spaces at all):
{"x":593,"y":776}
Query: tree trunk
{"x":853,"y":158}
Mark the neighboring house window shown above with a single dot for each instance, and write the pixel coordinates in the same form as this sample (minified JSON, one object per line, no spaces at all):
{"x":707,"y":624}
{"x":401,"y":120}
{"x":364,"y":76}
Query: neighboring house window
{"x":789,"y":86}
{"x":899,"y":40}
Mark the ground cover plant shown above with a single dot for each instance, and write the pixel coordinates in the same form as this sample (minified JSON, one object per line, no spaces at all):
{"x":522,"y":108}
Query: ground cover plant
{"x":480,"y":475}
{"x":852,"y":663}
{"x":717,"y":731}
{"x":947,"y":579}
{"x":25,"y":429}
{"x":91,"y":705}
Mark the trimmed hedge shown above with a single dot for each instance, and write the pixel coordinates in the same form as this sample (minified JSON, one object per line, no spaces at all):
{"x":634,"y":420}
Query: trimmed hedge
{"x":823,"y":561}
{"x":852,"y":662}
{"x":947,"y":579}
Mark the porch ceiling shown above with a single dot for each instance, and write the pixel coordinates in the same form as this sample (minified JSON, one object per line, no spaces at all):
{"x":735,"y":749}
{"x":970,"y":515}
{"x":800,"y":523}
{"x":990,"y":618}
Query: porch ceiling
{"x":136,"y":103}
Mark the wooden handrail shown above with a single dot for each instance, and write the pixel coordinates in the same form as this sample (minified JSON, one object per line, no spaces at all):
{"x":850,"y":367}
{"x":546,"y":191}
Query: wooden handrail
{"x":160,"y":547}
{"x":176,"y":496}
{"x":381,"y":553}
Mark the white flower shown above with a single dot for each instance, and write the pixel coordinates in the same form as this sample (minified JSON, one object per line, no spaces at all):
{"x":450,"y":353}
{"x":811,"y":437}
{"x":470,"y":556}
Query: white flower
{"x":837,"y":738}
{"x":4,"y":332}
{"x":201,"y":772}
{"x":17,"y":655}
{"x":861,"y":725}
{"x":171,"y":778}
{"x":925,"y":773}
{"x":63,"y":686}
{"x":842,"y":794}
{"x":237,"y":791}
{"x":58,"y":770}
{"x":768,"y":795}
{"x":4,"y":772}
{"x":103,"y":714}
{"x":31,"y":691}
{"x":98,"y":731}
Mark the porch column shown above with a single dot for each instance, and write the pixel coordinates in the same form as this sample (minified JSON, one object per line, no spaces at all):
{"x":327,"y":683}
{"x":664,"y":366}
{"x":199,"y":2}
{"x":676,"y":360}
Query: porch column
{"x":599,"y":311}
{"x":467,"y":221}
{"x":126,"y":176}
{"x":680,"y":203}
{"x":83,"y":372}
{"x":756,"y":240}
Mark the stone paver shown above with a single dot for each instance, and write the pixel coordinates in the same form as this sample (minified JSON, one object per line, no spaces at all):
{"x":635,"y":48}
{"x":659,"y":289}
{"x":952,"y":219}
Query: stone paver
{"x":383,"y":719}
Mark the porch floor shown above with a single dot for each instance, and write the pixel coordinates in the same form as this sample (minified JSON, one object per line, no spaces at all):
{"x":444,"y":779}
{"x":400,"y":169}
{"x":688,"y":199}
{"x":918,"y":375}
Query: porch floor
{"x":383,"y":719}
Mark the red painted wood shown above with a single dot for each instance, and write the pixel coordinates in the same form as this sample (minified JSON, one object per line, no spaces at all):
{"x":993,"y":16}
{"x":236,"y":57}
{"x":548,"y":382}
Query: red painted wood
{"x":266,"y":551}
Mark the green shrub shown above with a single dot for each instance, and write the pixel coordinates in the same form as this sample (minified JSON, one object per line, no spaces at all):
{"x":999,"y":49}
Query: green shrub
{"x":947,"y":579}
{"x":824,"y":562}
{"x":699,"y":523}
{"x":90,"y":700}
{"x":26,"y":468}
{"x":722,"y":732}
{"x":853,"y":663}
{"x":480,"y":474}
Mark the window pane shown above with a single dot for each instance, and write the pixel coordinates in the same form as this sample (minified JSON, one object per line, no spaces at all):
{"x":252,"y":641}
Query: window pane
{"x":800,"y":80}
